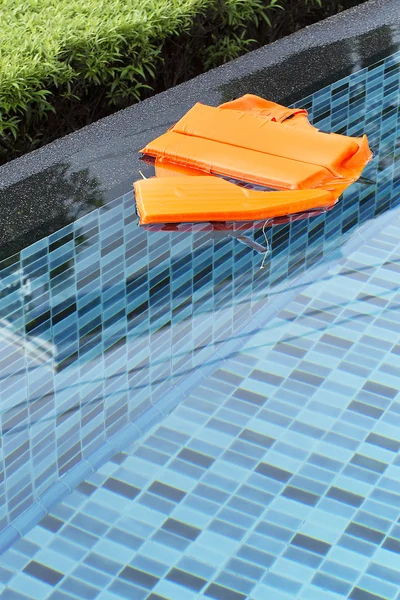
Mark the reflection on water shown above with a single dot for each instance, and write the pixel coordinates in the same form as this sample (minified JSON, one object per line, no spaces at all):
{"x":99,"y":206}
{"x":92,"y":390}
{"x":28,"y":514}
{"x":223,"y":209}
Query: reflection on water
{"x":56,"y":198}
{"x":350,"y":54}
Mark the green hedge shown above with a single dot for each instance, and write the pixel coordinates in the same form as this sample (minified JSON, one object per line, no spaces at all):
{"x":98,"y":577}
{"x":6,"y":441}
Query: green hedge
{"x":66,"y":63}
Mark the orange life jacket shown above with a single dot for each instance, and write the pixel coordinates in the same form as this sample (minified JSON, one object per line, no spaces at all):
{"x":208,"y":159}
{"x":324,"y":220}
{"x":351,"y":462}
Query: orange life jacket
{"x":251,"y":140}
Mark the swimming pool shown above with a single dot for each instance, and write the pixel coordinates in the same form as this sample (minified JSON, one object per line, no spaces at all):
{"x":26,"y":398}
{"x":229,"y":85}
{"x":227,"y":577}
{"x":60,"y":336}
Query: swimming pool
{"x":276,"y":474}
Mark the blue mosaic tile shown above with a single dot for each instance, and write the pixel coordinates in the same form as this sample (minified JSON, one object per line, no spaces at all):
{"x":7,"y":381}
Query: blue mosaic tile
{"x":277,"y":475}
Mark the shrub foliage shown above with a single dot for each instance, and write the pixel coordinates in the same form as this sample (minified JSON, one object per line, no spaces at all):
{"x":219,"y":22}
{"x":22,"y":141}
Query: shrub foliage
{"x":66,"y":63}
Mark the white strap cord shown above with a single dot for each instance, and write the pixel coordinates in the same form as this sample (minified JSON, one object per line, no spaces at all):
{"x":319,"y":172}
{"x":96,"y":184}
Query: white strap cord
{"x":267,"y":246}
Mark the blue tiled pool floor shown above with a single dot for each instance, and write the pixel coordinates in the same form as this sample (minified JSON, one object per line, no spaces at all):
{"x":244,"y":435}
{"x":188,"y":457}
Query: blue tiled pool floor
{"x":105,"y":326}
{"x":278,"y":477}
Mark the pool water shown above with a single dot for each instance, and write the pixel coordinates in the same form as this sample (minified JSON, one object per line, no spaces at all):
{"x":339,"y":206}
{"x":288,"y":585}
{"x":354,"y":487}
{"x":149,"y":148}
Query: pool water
{"x":178,"y":423}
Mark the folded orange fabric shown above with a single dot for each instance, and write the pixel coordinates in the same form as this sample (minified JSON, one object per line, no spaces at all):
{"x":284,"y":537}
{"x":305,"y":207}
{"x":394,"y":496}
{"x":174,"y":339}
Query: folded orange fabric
{"x":252,"y":140}
{"x":201,"y":199}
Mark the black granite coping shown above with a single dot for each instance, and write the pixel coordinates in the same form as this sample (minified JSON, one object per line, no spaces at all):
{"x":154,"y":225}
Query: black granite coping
{"x":45,"y":190}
